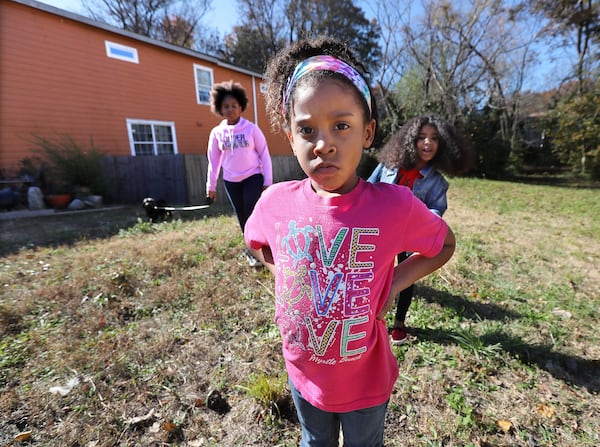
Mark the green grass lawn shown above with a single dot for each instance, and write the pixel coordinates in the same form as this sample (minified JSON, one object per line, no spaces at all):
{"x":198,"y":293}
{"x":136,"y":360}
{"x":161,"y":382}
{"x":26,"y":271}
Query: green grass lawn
{"x":121,"y":332}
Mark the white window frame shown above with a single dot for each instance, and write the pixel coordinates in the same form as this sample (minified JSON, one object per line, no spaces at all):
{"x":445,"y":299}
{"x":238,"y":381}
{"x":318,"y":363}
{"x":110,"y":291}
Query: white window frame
{"x":205,"y":87}
{"x":132,"y":141}
{"x":121,"y":52}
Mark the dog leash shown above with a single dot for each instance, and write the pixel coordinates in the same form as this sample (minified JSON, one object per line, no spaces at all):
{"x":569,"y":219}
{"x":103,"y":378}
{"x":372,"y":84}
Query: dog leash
{"x":178,"y":208}
{"x":182,"y":208}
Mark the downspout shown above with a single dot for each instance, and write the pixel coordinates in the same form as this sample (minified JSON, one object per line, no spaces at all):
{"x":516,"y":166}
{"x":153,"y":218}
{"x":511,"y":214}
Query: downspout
{"x":254,"y":100}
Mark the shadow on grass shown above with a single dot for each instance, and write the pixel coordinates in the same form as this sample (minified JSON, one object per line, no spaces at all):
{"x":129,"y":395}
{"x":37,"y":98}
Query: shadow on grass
{"x":466,"y":308}
{"x":571,"y":369}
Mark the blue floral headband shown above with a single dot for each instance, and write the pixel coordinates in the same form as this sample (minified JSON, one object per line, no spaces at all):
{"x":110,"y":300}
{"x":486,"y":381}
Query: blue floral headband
{"x":326,"y":63}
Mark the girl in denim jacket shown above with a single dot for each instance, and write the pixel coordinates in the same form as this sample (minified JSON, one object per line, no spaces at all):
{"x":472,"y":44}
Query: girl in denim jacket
{"x":415,"y":156}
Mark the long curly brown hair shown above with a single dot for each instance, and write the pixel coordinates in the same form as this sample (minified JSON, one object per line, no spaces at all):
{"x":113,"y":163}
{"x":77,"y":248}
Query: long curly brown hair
{"x":454,"y":156}
{"x":282,"y":65}
{"x":227,"y":88}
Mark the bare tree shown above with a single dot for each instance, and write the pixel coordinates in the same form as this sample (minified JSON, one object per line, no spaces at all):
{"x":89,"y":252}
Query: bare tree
{"x":272,"y":24}
{"x":394,"y":60}
{"x":173,"y":21}
{"x":578,"y":22}
{"x":455,"y":58}
{"x":178,"y":31}
{"x":341,"y":19}
{"x":261,"y":35}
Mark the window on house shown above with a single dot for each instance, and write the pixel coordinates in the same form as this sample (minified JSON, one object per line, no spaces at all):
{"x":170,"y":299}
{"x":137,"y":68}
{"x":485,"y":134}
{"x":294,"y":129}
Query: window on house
{"x":151,"y":137}
{"x":204,"y":83}
{"x":121,"y":52}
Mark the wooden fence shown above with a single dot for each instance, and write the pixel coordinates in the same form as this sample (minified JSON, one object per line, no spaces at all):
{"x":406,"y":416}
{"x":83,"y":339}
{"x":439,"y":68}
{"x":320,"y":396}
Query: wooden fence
{"x":177,"y":179}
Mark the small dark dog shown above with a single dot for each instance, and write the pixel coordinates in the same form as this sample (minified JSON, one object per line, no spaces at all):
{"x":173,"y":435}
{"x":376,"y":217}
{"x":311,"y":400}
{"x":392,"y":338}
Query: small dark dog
{"x":155,"y":210}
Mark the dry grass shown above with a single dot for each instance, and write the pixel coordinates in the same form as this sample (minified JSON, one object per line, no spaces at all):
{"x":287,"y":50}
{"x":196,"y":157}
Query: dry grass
{"x":169,"y":340}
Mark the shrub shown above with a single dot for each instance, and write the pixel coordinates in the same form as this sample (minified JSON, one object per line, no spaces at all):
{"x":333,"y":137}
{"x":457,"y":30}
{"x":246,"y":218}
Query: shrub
{"x":70,"y":166}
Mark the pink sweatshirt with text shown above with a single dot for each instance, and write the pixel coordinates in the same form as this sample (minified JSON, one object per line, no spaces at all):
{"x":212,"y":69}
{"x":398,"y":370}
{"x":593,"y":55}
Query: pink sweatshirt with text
{"x":241,"y":149}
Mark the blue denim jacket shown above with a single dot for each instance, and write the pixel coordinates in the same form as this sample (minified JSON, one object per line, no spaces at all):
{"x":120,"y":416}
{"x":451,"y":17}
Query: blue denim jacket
{"x":431,"y":189}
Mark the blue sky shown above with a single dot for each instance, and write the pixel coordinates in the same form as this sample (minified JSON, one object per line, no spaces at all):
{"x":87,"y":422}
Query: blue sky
{"x":224,"y":16}
{"x":223,"y":13}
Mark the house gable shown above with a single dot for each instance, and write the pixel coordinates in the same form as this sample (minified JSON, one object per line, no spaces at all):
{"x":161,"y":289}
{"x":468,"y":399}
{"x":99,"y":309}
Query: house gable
{"x":61,"y":73}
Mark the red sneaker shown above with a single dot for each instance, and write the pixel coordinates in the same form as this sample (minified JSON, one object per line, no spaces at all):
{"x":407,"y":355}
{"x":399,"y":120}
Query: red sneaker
{"x":399,"y":335}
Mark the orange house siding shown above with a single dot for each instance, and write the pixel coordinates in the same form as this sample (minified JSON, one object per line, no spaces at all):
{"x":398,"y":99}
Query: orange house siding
{"x":55,"y":78}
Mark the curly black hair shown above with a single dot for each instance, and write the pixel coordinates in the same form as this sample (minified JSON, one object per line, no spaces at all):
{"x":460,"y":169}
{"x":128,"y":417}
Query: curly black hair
{"x":224,"y":89}
{"x":282,"y":65}
{"x":454,"y":156}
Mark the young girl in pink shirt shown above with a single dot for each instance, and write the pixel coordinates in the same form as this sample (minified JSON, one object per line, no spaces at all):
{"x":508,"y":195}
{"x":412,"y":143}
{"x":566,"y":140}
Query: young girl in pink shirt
{"x":331,"y":246}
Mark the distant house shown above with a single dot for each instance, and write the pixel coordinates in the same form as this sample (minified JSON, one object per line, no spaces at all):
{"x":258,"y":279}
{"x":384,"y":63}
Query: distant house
{"x":62,"y":73}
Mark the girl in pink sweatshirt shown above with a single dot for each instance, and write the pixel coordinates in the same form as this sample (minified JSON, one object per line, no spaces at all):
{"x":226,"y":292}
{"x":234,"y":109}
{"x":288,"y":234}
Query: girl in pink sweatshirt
{"x":240,"y":148}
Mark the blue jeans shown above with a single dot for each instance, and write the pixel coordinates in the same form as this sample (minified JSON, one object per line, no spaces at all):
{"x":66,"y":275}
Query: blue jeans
{"x":244,"y":195}
{"x":361,"y":428}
